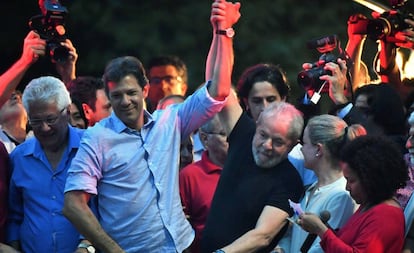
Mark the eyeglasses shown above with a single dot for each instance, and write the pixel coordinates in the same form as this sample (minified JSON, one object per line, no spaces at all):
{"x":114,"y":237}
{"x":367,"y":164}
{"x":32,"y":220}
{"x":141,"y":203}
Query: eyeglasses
{"x":50,"y":121}
{"x":217,"y":133}
{"x":167,"y":79}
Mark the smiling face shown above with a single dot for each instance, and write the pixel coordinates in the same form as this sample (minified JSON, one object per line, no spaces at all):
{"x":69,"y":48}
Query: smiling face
{"x":50,"y":124}
{"x":261,"y":95}
{"x":127,"y":100}
{"x":271,"y":144}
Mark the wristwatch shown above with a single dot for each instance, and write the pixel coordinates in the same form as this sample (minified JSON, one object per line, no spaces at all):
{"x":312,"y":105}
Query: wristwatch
{"x":229,"y":32}
{"x":219,"y":251}
{"x":87,"y":246}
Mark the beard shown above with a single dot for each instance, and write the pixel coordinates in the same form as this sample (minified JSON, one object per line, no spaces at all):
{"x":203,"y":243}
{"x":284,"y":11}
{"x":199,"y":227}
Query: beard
{"x":265,"y":160}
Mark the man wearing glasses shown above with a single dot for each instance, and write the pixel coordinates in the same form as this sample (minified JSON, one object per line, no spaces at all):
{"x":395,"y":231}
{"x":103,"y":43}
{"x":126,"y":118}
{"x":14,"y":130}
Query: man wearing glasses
{"x":167,"y":76}
{"x":39,"y":166}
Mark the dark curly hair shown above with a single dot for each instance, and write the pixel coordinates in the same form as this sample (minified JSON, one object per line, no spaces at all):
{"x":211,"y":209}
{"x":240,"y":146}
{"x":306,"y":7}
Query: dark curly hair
{"x":260,"y":73}
{"x":379,"y":165}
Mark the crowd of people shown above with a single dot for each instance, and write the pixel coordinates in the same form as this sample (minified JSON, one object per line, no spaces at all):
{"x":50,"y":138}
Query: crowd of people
{"x":130,"y":162}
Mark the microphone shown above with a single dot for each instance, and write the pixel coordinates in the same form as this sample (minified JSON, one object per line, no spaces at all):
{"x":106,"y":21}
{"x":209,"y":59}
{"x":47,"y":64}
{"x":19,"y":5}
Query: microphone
{"x":324,"y":216}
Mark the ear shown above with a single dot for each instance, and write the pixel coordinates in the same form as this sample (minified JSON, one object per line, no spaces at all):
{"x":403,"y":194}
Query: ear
{"x":145,"y":91}
{"x":203,"y":138}
{"x":319,"y":149}
{"x":184,"y":88}
{"x":87,"y":110}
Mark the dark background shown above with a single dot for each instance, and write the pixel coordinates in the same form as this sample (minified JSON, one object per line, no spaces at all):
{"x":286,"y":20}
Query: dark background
{"x":273,"y":31}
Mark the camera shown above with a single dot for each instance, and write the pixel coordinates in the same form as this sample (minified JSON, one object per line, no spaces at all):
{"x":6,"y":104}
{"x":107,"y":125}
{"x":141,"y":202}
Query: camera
{"x":309,"y":79}
{"x":387,"y":24}
{"x":50,"y":25}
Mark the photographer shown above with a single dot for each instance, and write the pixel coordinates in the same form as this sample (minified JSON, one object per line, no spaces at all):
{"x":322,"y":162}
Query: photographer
{"x":389,"y":39}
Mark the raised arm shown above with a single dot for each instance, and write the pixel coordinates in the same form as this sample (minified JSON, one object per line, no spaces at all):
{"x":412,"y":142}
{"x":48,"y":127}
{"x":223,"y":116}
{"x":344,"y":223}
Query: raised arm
{"x":221,"y":58}
{"x":33,"y":47}
{"x":223,"y":16}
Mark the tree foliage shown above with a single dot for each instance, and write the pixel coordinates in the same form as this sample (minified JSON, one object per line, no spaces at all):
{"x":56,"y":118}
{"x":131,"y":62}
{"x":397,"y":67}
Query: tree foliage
{"x":269,"y":31}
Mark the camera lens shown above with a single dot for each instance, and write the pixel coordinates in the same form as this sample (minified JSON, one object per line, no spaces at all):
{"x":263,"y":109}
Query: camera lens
{"x":58,"y":53}
{"x":309,"y":79}
{"x":378,"y":28}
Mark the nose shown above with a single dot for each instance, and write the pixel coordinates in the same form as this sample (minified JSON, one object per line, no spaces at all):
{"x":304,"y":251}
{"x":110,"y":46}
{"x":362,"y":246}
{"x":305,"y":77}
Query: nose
{"x":125,"y":99}
{"x":347,"y":187}
{"x":44,"y":126}
{"x":267,"y":144}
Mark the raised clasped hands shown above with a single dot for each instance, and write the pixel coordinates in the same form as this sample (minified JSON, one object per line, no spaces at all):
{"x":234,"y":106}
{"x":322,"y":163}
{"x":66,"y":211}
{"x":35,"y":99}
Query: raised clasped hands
{"x":224,"y":14}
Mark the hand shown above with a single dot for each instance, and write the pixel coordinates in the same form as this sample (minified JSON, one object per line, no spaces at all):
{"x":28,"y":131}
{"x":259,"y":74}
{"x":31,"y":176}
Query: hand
{"x":337,"y":81}
{"x":67,"y":69}
{"x":406,"y":37}
{"x":33,"y":48}
{"x":312,"y":224}
{"x":354,"y":21}
{"x":224,"y":14}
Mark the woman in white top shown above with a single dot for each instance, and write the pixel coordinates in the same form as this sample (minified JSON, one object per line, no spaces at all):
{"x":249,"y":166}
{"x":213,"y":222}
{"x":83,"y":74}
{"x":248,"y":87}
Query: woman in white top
{"x":323,"y":138}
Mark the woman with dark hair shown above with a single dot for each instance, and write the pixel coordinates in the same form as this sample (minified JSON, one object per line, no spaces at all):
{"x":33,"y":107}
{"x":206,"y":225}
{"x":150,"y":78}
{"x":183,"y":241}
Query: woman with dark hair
{"x":260,"y":85}
{"x":374,"y":168}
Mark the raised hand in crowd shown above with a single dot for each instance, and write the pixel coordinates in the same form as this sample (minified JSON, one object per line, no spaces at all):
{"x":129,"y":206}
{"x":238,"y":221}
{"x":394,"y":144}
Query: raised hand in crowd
{"x":33,"y":48}
{"x":67,"y":69}
{"x":407,"y":36}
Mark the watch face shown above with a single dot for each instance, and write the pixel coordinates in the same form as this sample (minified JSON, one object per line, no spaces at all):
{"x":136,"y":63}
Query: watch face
{"x":230,"y":32}
{"x":90,"y":249}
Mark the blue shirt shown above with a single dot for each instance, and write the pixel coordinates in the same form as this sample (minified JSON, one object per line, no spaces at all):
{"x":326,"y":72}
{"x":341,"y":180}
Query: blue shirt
{"x":36,"y":198}
{"x":135,"y":175}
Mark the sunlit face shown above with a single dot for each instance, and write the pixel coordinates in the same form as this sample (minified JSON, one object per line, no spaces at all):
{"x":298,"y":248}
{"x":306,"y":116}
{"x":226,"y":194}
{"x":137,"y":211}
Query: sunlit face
{"x":102,"y":108}
{"x":271,"y":144}
{"x":49,"y":124}
{"x":76,"y":119}
{"x":127,"y":100}
{"x":410,"y":143}
{"x":165,"y":81}
{"x":309,"y":150}
{"x":13,"y":108}
{"x":186,"y":152}
{"x":354,"y":185}
{"x":260,"y":96}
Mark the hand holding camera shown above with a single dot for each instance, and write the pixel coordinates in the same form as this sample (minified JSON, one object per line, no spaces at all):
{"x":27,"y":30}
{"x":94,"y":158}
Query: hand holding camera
{"x":50,"y":25}
{"x":328,"y":74}
{"x":33,"y":47}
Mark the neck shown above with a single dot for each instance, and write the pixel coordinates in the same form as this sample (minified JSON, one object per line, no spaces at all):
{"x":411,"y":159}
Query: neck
{"x":327,"y":173}
{"x":15,"y":128}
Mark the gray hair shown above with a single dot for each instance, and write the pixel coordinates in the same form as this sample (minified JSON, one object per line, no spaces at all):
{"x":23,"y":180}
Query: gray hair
{"x":213,"y":125}
{"x":286,"y":112}
{"x":46,"y":89}
{"x":333,"y":132}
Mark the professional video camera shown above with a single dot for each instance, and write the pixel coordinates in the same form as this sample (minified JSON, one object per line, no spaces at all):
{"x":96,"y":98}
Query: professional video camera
{"x":309,"y":79}
{"x":50,"y":25}
{"x":387,"y":24}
